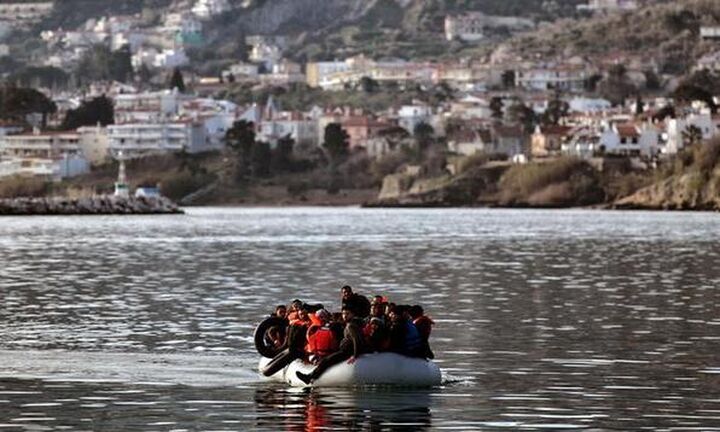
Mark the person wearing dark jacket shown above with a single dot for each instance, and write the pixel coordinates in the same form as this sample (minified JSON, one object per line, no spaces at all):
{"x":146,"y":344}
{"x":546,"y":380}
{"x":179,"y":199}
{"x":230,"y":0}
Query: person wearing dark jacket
{"x":424,"y":325}
{"x":359,"y":303}
{"x":294,"y":347}
{"x":404,"y":336}
{"x":351,"y":346}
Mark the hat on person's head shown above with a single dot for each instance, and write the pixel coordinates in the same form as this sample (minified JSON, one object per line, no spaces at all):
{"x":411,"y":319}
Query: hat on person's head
{"x":323,"y":314}
{"x":376,"y":320}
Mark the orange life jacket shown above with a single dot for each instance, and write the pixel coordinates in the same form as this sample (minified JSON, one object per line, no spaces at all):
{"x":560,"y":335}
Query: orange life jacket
{"x":314,"y":320}
{"x":321,"y":341}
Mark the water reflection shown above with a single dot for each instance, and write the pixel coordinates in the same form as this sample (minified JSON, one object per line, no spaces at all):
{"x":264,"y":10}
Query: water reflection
{"x":359,"y":409}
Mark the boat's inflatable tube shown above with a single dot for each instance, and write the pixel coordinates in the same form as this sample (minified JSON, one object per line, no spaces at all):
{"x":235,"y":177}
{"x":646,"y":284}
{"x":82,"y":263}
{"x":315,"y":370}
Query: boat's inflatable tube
{"x":369,"y":369}
{"x":260,"y":339}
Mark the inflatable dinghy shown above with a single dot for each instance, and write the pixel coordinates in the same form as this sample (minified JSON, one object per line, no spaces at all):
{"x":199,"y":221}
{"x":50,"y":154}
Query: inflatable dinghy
{"x":369,"y":369}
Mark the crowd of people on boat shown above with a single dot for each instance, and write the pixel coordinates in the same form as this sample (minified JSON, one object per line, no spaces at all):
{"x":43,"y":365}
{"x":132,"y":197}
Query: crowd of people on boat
{"x":310,"y":332}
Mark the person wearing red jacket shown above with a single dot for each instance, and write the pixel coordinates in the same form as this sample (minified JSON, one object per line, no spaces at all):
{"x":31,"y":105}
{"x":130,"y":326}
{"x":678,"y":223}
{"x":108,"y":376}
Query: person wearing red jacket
{"x":321,"y":340}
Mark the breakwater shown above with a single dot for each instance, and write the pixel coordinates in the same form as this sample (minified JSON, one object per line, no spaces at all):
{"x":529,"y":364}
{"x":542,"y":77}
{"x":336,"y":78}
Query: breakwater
{"x":97,"y":205}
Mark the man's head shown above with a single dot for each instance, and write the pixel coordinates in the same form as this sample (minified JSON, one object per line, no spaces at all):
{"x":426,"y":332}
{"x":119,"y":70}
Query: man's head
{"x":280,"y":311}
{"x":375,"y":324}
{"x":346,"y":292}
{"x":416,"y":311}
{"x":303,"y":313}
{"x":323,"y":315}
{"x":394,"y":314}
{"x":296,"y":304}
{"x":377,"y":310}
{"x":348,"y":314}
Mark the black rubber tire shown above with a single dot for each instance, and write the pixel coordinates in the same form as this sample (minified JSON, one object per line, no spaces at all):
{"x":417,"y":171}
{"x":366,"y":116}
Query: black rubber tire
{"x":259,"y":336}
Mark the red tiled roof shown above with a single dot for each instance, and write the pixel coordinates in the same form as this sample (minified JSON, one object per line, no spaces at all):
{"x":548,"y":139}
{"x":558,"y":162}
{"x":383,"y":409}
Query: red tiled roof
{"x":627,"y":130}
{"x":555,"y":130}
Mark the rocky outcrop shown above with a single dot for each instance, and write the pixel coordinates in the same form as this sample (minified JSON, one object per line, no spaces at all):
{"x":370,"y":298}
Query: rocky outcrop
{"x":467,"y":189}
{"x":690,"y":191}
{"x":100,"y":205}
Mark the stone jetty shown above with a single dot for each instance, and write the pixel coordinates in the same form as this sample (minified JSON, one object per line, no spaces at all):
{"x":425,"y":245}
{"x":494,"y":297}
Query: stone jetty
{"x":97,"y":205}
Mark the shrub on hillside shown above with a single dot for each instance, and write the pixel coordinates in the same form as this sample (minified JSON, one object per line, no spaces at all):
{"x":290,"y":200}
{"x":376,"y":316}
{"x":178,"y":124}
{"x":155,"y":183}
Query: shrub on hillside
{"x":16,"y":186}
{"x":562,"y":182}
{"x":183,"y":184}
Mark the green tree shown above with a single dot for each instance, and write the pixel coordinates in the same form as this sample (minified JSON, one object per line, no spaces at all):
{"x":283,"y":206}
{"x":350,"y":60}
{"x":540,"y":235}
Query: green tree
{"x":524,"y":115}
{"x":616,"y":87}
{"x":691,"y":135}
{"x":282,"y":155}
{"x":260,"y":159}
{"x":144,"y":74}
{"x":240,"y":138}
{"x":639,"y":105}
{"x":336,"y":142}
{"x":556,"y":110}
{"x":98,"y":110}
{"x":177,"y":81}
{"x":508,"y":79}
{"x":688,"y":92}
{"x":496,"y":107}
{"x":99,"y":63}
{"x":664,"y":112}
{"x":368,"y":85}
{"x":16,"y":103}
{"x":424,"y":135}
{"x":120,"y":66}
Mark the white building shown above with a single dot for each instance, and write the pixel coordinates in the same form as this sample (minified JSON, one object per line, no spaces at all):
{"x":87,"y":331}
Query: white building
{"x":709,"y":62}
{"x":53,"y":155}
{"x":141,"y":139}
{"x":165,"y":59}
{"x":676,"y":131}
{"x":589,"y":105}
{"x":24,"y":13}
{"x":609,"y":5}
{"x":240,"y":71}
{"x":300,"y":127}
{"x":471,"y":26}
{"x":35,"y":144}
{"x":318,"y":72}
{"x":563,"y":78}
{"x":707,"y":32}
{"x":152,"y":105}
{"x":206,"y":9}
{"x":629,"y":139}
{"x":178,"y":22}
{"x":409,"y":116}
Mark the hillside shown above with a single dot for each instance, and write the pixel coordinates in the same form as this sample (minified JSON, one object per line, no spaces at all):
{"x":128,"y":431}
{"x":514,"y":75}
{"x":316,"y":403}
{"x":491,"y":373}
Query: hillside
{"x":320,"y":29}
{"x":692,"y":182}
{"x":666,"y":32}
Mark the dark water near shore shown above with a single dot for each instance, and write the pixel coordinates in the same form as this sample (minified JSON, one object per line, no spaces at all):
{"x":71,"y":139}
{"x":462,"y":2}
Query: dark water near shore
{"x":546,"y":320}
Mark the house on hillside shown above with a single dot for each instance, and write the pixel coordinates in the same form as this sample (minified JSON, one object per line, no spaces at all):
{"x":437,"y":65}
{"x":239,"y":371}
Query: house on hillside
{"x":362,"y":128}
{"x":547,"y":141}
{"x":609,"y":5}
{"x":630,"y":139}
{"x":471,"y":26}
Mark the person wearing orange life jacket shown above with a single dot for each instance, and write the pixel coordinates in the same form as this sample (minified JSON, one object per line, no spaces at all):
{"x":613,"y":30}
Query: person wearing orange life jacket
{"x":321,"y":340}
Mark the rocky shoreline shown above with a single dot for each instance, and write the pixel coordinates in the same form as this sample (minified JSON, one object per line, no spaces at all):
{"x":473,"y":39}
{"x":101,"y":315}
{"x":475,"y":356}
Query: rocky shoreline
{"x":97,"y":205}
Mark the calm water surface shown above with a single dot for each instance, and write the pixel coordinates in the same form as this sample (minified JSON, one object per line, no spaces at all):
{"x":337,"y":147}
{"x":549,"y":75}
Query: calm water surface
{"x":546,"y":320}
